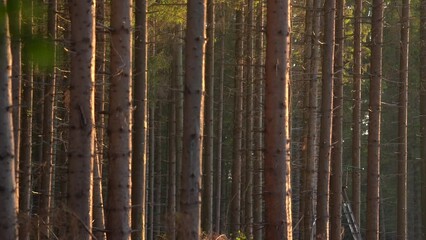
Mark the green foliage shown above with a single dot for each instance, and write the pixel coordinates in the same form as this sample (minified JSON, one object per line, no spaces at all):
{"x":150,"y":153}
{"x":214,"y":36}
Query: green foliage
{"x":168,"y":11}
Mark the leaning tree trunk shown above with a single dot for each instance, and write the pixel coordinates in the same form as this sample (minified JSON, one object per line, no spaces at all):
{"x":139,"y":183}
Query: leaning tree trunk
{"x":190,"y":207}
{"x":373,"y":158}
{"x":402,"y":123}
{"x":8,"y":218}
{"x":81,"y":133}
{"x":119,"y":123}
{"x":277,"y":193}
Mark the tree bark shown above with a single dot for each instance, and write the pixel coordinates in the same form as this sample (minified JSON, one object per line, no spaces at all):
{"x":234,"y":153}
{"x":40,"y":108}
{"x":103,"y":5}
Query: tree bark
{"x":139,"y":157}
{"x":403,"y":122}
{"x":8,"y":218}
{"x":207,"y":198}
{"x":277,"y":192}
{"x":81,"y":133}
{"x":190,"y":207}
{"x":373,"y":157}
{"x":119,"y":123}
{"x":423,"y":112}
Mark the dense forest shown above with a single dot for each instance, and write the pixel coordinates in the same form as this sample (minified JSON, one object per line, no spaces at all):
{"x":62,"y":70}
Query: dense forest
{"x":212,"y":119}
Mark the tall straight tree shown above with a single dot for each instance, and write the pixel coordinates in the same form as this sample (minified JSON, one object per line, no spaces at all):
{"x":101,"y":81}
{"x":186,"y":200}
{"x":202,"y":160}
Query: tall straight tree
{"x":119,"y":123}
{"x":402,"y":122}
{"x":374,"y":107}
{"x":356,"y":114}
{"x":190,"y":207}
{"x":207,"y":200}
{"x":323,"y":192}
{"x":8,"y":218}
{"x":277,"y":193}
{"x":139,"y":157}
{"x":337,"y":129}
{"x":25,"y":161}
{"x":81,"y":132}
{"x":423,"y":110}
{"x":238,"y":123}
{"x":48,"y":128}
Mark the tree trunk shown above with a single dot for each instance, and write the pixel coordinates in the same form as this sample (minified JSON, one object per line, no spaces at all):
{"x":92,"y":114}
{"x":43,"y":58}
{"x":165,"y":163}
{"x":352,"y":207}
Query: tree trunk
{"x":423,"y":112}
{"x":8,"y":218}
{"x":119,"y":123}
{"x":189,"y":226}
{"x":139,"y":157}
{"x":356,"y":114}
{"x":373,"y":158}
{"x":238,"y":122}
{"x":171,"y":204}
{"x":25,"y":154}
{"x":81,"y":133}
{"x":326,"y":122}
{"x":150,"y":232}
{"x":258,"y":126}
{"x":277,"y":192}
{"x":337,"y":128}
{"x":48,"y":130}
{"x":207,"y":198}
{"x":402,"y":122}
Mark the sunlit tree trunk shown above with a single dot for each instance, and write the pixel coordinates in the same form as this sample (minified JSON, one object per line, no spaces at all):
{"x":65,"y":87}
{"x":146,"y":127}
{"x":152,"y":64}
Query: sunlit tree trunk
{"x":8,"y":218}
{"x":119,"y":123}
{"x":207,"y":199}
{"x":402,"y":123}
{"x":373,"y":158}
{"x":190,"y":207}
{"x":277,"y":193}
{"x":48,"y":130}
{"x":337,"y":128}
{"x":25,"y":181}
{"x":81,"y":133}
{"x":139,"y":157}
{"x":356,"y":114}
{"x":100,"y":141}
{"x":14,"y":10}
{"x":235,"y":207}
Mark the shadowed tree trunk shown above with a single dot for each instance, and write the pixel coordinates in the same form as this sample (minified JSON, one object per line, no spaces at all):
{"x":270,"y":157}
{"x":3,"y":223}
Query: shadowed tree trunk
{"x":323,"y":193}
{"x":373,"y":158}
{"x":139,"y":157}
{"x":402,"y":123}
{"x":190,"y":207}
{"x":277,"y":193}
{"x":238,"y":122}
{"x":423,"y":111}
{"x":8,"y":218}
{"x":207,"y":199}
{"x":81,"y":133}
{"x":356,"y":115}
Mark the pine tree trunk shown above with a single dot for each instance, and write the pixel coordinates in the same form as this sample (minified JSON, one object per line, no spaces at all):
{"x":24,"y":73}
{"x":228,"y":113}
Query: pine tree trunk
{"x":119,"y":123}
{"x":152,"y":132}
{"x":81,"y":133}
{"x":356,"y":114}
{"x":8,"y":218}
{"x":238,"y":122}
{"x":373,"y":158}
{"x":207,"y":198}
{"x":171,"y":204}
{"x":190,"y":207}
{"x":337,"y":128}
{"x":258,"y":126}
{"x":48,"y":130}
{"x":277,"y":193}
{"x":423,"y":112}
{"x":403,"y":122}
{"x":25,"y":161}
{"x":139,"y":157}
